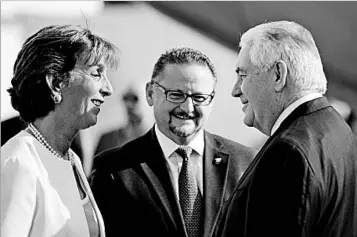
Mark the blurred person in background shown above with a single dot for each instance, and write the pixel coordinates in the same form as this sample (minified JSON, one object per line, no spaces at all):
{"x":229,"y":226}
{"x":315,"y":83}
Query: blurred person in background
{"x":174,"y":180}
{"x":58,"y":87}
{"x":131,"y":130}
{"x":303,"y":180}
{"x":10,"y":127}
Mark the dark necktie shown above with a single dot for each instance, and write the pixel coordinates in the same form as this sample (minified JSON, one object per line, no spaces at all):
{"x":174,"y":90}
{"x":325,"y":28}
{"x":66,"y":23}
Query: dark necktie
{"x":190,"y":196}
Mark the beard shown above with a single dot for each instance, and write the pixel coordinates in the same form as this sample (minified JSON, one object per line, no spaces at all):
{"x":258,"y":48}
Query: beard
{"x":183,"y":131}
{"x":182,"y":128}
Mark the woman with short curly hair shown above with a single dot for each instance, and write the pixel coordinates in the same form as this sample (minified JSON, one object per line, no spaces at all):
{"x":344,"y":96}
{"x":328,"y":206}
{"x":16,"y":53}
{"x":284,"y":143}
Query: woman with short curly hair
{"x":59,"y":86}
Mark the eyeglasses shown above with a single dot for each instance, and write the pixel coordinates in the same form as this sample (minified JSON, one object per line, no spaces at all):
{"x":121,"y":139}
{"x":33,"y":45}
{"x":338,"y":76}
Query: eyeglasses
{"x":177,"y":97}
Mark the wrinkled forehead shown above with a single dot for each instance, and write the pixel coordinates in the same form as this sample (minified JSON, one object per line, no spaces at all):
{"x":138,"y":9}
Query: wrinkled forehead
{"x":188,"y":76}
{"x":188,"y":71}
{"x":243,"y":61}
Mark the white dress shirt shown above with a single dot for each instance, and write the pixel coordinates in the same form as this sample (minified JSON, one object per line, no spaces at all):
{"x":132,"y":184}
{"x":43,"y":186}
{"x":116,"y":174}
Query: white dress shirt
{"x":291,"y":108}
{"x":174,"y":161}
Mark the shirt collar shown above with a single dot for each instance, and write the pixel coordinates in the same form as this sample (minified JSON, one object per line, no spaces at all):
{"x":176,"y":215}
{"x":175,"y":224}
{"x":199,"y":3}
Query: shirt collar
{"x":291,"y":108}
{"x":168,"y":146}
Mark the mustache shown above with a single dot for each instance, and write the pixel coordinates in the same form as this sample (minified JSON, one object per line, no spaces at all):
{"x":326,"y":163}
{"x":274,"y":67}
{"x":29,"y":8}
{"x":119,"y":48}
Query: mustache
{"x":185,"y":115}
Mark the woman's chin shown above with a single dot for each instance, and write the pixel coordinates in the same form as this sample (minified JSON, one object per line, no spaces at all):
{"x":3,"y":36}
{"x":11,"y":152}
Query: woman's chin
{"x":90,"y":122}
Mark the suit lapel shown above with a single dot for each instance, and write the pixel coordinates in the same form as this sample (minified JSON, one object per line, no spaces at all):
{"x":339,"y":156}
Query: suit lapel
{"x":157,"y":172}
{"x":215,"y":171}
{"x":301,"y":110}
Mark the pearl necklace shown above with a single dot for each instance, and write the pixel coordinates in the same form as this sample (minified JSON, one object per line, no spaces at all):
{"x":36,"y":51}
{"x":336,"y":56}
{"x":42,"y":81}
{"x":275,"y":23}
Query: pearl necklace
{"x":43,"y":141}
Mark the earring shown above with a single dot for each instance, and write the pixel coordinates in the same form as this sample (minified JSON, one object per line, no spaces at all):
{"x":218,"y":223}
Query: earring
{"x":57,"y":98}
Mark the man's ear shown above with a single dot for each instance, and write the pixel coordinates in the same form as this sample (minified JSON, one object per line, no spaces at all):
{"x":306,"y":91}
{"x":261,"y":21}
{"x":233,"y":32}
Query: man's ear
{"x":281,"y":72}
{"x":149,"y":94}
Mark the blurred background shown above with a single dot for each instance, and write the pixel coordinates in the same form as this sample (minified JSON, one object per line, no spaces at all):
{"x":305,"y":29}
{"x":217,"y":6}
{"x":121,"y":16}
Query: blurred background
{"x":144,"y":30}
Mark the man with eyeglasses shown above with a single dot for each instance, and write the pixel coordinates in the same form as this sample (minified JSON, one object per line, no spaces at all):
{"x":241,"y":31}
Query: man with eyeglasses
{"x":173,"y":181}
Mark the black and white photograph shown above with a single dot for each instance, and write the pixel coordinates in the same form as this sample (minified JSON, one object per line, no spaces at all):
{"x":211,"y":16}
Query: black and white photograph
{"x":178,"y":119}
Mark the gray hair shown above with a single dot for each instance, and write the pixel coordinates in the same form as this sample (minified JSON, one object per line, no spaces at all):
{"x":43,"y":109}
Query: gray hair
{"x":292,"y":43}
{"x":182,"y":56}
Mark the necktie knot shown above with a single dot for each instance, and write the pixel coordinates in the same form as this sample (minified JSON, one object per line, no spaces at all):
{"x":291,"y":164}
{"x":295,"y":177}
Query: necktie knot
{"x":184,"y":151}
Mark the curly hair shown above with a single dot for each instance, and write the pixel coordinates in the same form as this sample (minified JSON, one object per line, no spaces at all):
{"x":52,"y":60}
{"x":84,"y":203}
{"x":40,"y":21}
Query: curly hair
{"x":182,"y":56}
{"x":53,"y":50}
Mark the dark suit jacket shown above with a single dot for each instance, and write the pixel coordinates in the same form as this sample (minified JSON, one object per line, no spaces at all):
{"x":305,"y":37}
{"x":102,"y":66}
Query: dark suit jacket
{"x":135,"y":194}
{"x":301,"y":183}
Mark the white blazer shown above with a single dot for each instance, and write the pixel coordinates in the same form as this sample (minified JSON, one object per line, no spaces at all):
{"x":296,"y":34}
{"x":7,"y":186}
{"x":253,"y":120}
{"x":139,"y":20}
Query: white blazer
{"x":39,"y":194}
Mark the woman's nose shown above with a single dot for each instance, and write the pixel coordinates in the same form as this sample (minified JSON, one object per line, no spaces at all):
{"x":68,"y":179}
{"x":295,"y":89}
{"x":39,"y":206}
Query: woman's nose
{"x":107,"y":88}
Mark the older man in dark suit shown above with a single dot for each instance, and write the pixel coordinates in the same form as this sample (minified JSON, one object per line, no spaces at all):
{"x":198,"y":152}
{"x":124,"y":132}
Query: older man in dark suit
{"x":175,"y":180}
{"x":303,"y":182}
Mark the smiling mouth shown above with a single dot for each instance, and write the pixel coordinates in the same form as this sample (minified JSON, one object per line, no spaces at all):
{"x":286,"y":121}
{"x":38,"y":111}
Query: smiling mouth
{"x":97,"y":103}
{"x":183,"y":116}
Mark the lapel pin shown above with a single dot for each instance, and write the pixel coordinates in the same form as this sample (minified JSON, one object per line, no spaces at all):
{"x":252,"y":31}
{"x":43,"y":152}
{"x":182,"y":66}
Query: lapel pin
{"x":217,"y":161}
